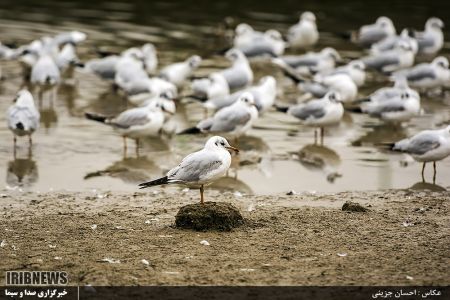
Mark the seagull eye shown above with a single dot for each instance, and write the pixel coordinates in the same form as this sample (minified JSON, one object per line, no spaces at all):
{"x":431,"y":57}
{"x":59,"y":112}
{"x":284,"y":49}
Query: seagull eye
{"x":222,"y":143}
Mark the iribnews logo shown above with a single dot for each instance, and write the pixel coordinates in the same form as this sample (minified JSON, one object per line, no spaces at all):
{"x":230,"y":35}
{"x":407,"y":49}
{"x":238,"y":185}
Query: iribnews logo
{"x":36,"y":278}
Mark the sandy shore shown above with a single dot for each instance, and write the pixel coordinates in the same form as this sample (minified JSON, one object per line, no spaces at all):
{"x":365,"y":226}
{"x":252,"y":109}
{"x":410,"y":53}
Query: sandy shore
{"x":287,"y":240}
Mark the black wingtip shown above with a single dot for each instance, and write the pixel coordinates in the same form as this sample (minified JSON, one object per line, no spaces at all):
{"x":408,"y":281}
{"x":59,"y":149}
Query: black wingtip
{"x":20,"y":126}
{"x":95,"y":117}
{"x":159,"y":181}
{"x":196,"y":97}
{"x":357,"y":110}
{"x":192,"y":130}
{"x":283,"y":109}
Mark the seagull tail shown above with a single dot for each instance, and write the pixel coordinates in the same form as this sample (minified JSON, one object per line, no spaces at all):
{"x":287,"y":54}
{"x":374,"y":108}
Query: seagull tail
{"x":192,"y":130}
{"x":283,"y":109}
{"x":196,"y":97}
{"x":95,"y":117}
{"x":159,"y":181}
{"x":19,"y":125}
{"x":357,"y":110}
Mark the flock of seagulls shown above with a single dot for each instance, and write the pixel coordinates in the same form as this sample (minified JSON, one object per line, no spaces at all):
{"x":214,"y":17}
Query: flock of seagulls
{"x":327,"y":83}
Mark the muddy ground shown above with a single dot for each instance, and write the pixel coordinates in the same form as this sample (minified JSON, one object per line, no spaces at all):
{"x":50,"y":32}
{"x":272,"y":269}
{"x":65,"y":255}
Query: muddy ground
{"x":102,"y":239}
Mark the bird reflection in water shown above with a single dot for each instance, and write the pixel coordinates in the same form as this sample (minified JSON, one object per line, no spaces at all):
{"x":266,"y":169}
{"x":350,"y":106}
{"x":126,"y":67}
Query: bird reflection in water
{"x":421,"y":185}
{"x":22,"y":172}
{"x":381,"y":134}
{"x":130,"y":170}
{"x":317,"y":157}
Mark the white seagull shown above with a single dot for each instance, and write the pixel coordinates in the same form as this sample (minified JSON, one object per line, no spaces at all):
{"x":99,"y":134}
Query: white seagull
{"x":214,"y":86}
{"x":200,"y":168}
{"x":135,"y":123}
{"x":395,"y":110}
{"x":432,"y":39}
{"x":177,"y":73}
{"x":240,"y":74}
{"x":427,"y":75}
{"x":393,"y":41}
{"x":373,"y":33}
{"x":304,"y":33}
{"x":320,"y":113}
{"x":233,"y":121}
{"x":356,"y":69}
{"x":311,"y":62}
{"x":264,"y":94}
{"x":392,"y":60}
{"x":427,"y":146}
{"x":22,"y":116}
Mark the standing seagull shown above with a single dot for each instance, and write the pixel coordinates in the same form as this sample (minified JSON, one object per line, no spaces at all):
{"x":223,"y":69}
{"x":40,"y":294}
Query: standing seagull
{"x":234,"y":120}
{"x":373,"y":33}
{"x":177,"y":73}
{"x":427,"y":146}
{"x":319,"y":112}
{"x":240,"y":74}
{"x":432,"y":39}
{"x":199,"y":168}
{"x":427,"y":75}
{"x":23,"y":117}
{"x":304,"y":33}
{"x":135,"y":123}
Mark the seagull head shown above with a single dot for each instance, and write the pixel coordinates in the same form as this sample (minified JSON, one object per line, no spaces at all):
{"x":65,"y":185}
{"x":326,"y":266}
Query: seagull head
{"x":384,"y":22}
{"x":24,"y":99}
{"x":218,"y":142}
{"x":247,"y":99}
{"x":434,"y":23}
{"x":357,"y":65}
{"x":333,"y":96}
{"x":77,"y":36}
{"x":274,"y":35}
{"x":331,"y":52}
{"x":133,"y":52}
{"x":441,"y":61}
{"x":234,"y":54}
{"x":308,"y":16}
{"x":243,"y":29}
{"x":194,"y":61}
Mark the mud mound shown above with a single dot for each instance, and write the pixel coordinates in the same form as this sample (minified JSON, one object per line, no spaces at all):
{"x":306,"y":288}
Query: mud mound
{"x":210,"y":216}
{"x":353,"y":206}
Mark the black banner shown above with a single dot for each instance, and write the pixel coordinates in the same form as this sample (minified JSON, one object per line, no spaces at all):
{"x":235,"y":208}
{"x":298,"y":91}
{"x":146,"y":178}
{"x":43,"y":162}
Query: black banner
{"x":222,"y":292}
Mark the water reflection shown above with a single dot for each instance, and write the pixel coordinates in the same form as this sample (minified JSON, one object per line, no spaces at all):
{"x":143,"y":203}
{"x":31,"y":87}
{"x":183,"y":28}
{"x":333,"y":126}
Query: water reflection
{"x":130,"y":170}
{"x":320,"y":158}
{"x":381,"y":134}
{"x":22,"y":172}
{"x":427,"y":186}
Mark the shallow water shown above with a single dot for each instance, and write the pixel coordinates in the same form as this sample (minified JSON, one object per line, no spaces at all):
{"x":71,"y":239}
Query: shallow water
{"x":71,"y":153}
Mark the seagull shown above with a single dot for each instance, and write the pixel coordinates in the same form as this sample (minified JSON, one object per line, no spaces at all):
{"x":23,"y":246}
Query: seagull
{"x":269,"y":43}
{"x":373,"y":33}
{"x":177,"y":73}
{"x":320,"y":113}
{"x":339,"y":82}
{"x":393,"y":41}
{"x":135,"y":123}
{"x":240,"y":74}
{"x":432,"y":39}
{"x":23,"y":117}
{"x":234,"y":120}
{"x":245,"y":35}
{"x":427,"y":146}
{"x":200,"y":168}
{"x":264,"y":94}
{"x":395,"y":110}
{"x":386,"y":93}
{"x":140,"y":89}
{"x":356,"y":69}
{"x":67,"y":57}
{"x":214,"y":86}
{"x":391,"y":60}
{"x":427,"y":75}
{"x":311,"y":62}
{"x":129,"y":68}
{"x":150,"y":57}
{"x":69,"y":37}
{"x":304,"y":33}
